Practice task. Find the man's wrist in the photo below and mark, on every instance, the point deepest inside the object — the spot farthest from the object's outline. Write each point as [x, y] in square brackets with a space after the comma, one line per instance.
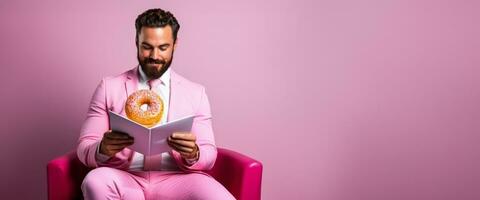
[99, 155]
[101, 150]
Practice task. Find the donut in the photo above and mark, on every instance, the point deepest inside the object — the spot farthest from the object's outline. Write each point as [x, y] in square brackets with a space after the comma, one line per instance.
[144, 107]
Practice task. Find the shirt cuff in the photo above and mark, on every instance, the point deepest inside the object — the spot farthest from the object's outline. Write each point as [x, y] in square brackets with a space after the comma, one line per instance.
[100, 157]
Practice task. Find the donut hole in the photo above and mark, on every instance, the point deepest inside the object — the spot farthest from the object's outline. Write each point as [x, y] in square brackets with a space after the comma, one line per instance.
[144, 107]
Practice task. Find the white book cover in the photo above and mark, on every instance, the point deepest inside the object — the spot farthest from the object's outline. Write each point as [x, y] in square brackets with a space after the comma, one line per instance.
[149, 141]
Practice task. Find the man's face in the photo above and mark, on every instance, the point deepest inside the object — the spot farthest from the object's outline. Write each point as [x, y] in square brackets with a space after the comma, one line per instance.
[155, 50]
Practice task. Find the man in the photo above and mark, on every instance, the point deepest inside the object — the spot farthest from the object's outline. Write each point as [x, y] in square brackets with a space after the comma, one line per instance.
[121, 173]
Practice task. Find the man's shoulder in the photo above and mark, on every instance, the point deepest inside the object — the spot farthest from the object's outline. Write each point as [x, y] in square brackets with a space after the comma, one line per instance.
[119, 78]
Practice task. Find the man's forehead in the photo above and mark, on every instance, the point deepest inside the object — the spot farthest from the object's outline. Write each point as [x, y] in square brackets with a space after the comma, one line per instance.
[156, 34]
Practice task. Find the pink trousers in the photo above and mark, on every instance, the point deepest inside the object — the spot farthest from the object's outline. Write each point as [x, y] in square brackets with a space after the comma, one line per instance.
[110, 183]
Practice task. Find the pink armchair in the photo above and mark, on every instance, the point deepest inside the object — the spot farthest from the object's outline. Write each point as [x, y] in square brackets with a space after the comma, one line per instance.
[241, 175]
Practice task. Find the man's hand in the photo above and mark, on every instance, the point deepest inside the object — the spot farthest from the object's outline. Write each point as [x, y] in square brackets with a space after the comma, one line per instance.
[113, 142]
[184, 143]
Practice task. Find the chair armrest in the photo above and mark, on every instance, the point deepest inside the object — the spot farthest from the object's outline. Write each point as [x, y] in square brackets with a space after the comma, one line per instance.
[64, 177]
[240, 174]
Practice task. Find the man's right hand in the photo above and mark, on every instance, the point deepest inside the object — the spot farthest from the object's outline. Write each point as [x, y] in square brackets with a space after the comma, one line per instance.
[113, 142]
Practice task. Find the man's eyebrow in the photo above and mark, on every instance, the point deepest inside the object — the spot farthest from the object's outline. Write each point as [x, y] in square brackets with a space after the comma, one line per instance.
[146, 43]
[161, 45]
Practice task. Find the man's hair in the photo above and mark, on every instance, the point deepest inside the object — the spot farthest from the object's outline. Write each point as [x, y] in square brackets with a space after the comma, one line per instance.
[156, 17]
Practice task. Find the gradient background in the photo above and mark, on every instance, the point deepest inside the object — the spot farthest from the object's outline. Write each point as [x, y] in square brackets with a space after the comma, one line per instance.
[340, 100]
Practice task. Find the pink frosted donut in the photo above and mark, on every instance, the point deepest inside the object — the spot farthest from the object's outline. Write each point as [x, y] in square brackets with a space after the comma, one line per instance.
[154, 107]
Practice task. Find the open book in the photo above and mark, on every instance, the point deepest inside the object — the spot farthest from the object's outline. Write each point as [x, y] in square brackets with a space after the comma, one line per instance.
[149, 141]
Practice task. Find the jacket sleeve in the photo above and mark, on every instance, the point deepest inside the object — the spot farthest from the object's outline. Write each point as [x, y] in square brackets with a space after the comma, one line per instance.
[202, 128]
[91, 133]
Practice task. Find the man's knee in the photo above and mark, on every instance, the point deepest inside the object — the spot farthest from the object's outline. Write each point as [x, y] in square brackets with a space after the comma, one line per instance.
[110, 183]
[206, 187]
[97, 178]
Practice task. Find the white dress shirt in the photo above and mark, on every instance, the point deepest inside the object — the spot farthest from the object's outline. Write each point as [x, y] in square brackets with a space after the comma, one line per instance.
[163, 90]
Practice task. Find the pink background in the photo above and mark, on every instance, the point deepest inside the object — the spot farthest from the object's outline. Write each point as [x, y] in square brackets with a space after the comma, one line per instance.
[357, 100]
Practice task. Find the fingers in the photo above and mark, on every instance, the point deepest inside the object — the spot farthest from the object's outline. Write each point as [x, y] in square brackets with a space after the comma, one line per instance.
[116, 147]
[188, 154]
[118, 142]
[184, 136]
[113, 149]
[188, 148]
[113, 142]
[114, 135]
[182, 149]
[184, 143]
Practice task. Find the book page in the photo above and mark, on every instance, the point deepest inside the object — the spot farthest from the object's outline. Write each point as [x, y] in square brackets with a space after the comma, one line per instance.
[140, 133]
[159, 134]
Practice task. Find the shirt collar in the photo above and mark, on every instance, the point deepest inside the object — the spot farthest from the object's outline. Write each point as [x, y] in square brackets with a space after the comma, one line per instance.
[165, 78]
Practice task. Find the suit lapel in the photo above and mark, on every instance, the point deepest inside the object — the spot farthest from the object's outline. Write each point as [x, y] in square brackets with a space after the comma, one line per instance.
[131, 83]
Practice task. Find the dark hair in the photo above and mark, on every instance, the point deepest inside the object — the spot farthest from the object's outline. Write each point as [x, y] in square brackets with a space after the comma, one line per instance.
[156, 17]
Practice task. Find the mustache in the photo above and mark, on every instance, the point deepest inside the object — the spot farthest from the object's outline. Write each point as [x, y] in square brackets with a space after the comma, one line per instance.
[154, 61]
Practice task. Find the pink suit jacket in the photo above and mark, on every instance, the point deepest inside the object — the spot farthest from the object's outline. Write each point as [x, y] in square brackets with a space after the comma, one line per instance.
[186, 98]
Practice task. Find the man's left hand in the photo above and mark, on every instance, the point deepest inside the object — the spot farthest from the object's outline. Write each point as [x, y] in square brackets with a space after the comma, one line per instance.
[184, 143]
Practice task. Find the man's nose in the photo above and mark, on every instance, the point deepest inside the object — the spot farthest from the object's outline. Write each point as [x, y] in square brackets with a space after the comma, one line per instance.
[155, 54]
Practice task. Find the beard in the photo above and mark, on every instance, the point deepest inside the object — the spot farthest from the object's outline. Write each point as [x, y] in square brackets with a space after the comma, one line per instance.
[154, 72]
